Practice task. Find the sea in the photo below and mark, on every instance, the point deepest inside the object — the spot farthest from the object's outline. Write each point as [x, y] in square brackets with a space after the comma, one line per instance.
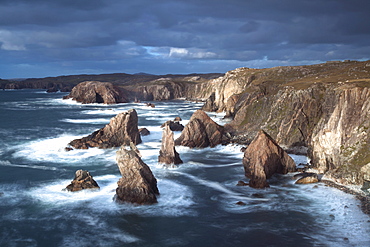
[199, 202]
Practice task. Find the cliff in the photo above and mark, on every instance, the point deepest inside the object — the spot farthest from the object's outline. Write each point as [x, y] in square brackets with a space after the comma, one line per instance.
[97, 92]
[320, 110]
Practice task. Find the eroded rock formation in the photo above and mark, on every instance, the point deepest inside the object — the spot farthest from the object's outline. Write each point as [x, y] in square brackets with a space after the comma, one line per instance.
[201, 131]
[83, 180]
[263, 158]
[168, 154]
[97, 92]
[121, 130]
[137, 184]
[174, 126]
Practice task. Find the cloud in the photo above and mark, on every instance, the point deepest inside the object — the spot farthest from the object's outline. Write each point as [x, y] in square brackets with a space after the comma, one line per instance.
[190, 53]
[142, 35]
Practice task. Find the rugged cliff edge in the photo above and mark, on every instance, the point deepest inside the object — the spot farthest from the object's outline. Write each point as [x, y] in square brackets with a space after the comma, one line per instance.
[320, 110]
[97, 92]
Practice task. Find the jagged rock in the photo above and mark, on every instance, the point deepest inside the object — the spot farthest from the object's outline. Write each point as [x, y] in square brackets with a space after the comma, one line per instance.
[97, 92]
[306, 178]
[144, 131]
[263, 158]
[121, 130]
[201, 131]
[168, 154]
[83, 180]
[137, 184]
[174, 126]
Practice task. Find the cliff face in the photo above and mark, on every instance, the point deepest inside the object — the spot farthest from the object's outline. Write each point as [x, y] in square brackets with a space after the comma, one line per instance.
[173, 87]
[322, 110]
[340, 143]
[97, 92]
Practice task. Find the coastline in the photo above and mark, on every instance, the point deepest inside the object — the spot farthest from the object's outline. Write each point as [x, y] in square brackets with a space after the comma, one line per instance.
[360, 195]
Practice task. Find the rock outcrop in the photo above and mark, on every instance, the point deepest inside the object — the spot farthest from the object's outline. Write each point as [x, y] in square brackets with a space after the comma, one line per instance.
[263, 158]
[144, 132]
[306, 178]
[201, 132]
[97, 92]
[83, 180]
[121, 130]
[137, 184]
[168, 154]
[174, 126]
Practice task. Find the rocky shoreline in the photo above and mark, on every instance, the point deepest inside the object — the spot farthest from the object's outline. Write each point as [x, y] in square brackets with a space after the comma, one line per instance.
[363, 198]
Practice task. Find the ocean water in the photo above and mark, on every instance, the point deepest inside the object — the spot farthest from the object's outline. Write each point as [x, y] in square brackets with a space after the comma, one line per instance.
[197, 202]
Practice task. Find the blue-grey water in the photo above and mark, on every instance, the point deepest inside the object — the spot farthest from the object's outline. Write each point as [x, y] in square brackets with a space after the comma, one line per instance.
[197, 205]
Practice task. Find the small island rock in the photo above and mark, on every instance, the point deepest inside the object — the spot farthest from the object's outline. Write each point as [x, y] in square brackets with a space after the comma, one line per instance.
[263, 158]
[82, 180]
[201, 132]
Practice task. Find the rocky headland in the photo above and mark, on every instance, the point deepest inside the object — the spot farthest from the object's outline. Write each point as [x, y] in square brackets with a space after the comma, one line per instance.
[321, 110]
[97, 92]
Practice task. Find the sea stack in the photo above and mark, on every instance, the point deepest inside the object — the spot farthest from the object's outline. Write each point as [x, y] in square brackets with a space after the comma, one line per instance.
[137, 184]
[121, 130]
[201, 132]
[263, 158]
[83, 180]
[168, 154]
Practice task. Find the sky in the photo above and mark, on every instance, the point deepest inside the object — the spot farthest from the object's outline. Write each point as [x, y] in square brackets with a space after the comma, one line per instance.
[40, 38]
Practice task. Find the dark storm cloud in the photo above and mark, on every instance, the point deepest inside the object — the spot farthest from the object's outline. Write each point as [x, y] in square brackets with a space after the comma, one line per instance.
[40, 37]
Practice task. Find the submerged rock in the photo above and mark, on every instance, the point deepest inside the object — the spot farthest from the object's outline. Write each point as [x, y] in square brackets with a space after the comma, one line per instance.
[263, 158]
[97, 92]
[201, 132]
[174, 126]
[168, 154]
[144, 132]
[137, 184]
[306, 178]
[121, 130]
[83, 180]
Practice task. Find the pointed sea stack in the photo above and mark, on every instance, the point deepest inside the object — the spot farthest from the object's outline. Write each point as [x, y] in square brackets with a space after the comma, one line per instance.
[263, 158]
[137, 184]
[121, 130]
[201, 132]
[83, 180]
[168, 154]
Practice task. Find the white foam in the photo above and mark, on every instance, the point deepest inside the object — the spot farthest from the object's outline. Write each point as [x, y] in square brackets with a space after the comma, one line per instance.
[7, 163]
[174, 199]
[88, 121]
[53, 150]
